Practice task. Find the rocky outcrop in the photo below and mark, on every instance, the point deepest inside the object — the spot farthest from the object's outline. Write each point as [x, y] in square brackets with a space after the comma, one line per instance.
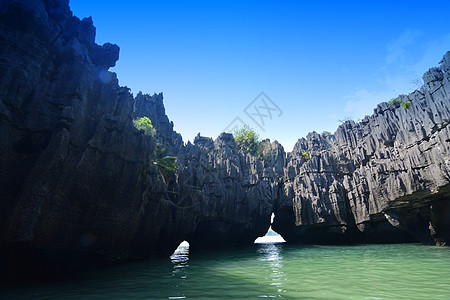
[231, 193]
[75, 173]
[77, 177]
[384, 179]
[219, 198]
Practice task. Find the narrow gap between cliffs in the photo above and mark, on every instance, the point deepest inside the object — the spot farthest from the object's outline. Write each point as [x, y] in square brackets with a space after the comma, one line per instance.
[181, 254]
[271, 235]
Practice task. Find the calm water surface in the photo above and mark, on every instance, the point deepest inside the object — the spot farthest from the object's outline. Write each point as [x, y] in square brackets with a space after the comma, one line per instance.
[407, 271]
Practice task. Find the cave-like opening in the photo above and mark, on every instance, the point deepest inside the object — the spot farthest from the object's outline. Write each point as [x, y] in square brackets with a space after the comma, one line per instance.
[271, 236]
[181, 252]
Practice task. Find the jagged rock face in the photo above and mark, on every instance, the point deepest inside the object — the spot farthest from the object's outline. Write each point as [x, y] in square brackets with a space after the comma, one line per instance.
[378, 180]
[230, 194]
[75, 174]
[153, 108]
[220, 197]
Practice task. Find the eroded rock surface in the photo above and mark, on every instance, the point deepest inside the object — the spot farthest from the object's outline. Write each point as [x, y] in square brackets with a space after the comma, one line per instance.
[231, 194]
[76, 176]
[379, 180]
[75, 173]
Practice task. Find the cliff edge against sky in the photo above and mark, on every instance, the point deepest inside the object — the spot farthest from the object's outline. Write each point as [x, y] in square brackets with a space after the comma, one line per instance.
[77, 177]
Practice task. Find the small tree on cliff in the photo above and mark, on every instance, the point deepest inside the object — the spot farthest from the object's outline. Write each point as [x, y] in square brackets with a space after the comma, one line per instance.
[145, 124]
[247, 140]
[166, 165]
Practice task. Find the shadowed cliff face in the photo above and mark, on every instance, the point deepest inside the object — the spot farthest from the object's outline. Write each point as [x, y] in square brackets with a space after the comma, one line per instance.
[75, 173]
[76, 176]
[231, 194]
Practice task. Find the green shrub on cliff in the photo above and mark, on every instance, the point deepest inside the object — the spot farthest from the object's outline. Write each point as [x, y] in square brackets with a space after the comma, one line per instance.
[306, 156]
[247, 140]
[406, 104]
[166, 165]
[145, 124]
[394, 101]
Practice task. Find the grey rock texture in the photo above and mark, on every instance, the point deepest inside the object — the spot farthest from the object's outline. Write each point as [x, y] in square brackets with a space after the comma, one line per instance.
[220, 197]
[380, 180]
[76, 176]
[231, 194]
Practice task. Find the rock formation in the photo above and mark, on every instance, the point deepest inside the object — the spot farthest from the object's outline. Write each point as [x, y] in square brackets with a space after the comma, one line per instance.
[75, 173]
[77, 177]
[384, 179]
[231, 193]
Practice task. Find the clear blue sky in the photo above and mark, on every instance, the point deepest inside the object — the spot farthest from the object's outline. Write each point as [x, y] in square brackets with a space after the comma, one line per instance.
[317, 61]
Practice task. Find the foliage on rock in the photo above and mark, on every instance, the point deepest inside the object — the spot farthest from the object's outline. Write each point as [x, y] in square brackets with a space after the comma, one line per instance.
[166, 165]
[406, 104]
[248, 140]
[306, 156]
[398, 101]
[394, 101]
[146, 125]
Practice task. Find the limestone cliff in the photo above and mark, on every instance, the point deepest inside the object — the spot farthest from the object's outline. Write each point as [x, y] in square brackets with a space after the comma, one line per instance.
[75, 173]
[384, 179]
[76, 176]
[231, 193]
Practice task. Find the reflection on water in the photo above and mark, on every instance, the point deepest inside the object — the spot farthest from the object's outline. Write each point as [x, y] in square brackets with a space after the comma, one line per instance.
[388, 272]
[270, 276]
[180, 259]
[181, 254]
[271, 256]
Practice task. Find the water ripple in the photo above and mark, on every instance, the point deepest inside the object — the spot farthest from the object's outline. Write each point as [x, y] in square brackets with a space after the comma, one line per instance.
[380, 272]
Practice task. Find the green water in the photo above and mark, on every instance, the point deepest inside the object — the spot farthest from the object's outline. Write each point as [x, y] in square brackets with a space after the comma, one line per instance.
[407, 271]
